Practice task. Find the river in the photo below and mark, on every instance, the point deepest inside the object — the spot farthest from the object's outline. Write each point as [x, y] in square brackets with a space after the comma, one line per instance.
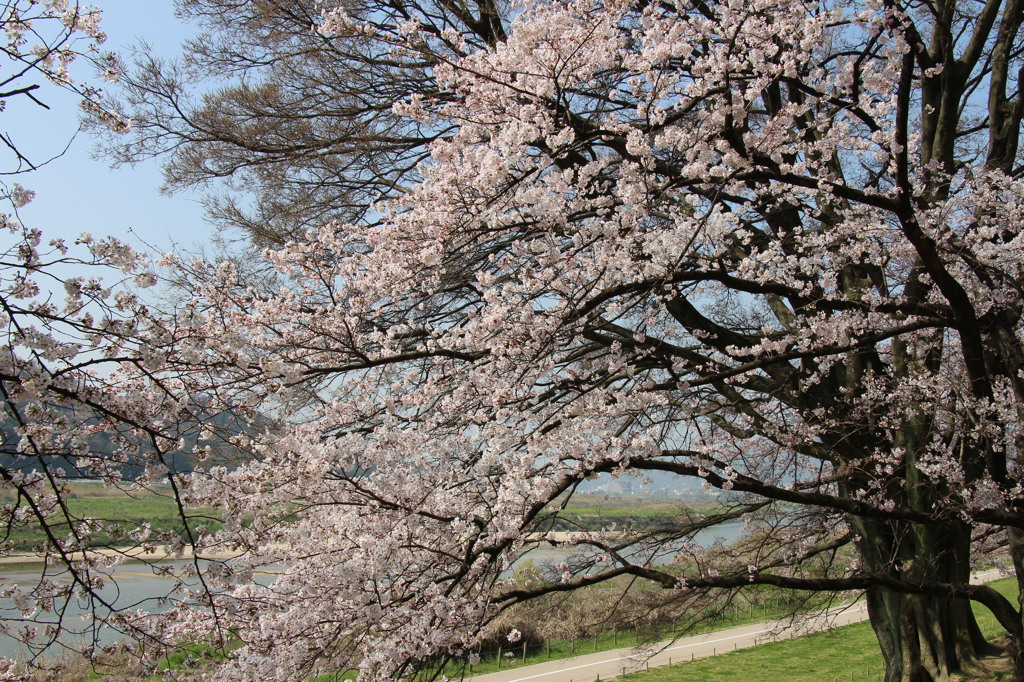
[135, 586]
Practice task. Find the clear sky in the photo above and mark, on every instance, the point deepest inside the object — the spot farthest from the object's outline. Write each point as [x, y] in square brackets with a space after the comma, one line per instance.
[77, 193]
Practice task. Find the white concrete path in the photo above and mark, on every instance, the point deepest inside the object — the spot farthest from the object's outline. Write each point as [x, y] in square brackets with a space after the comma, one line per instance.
[607, 664]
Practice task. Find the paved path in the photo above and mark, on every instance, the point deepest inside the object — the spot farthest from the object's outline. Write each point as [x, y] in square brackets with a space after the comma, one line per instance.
[606, 664]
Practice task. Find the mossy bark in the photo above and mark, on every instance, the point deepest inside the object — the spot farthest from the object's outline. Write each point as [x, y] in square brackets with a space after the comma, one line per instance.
[923, 638]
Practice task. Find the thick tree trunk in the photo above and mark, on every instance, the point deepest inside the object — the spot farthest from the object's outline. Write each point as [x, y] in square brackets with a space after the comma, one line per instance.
[923, 638]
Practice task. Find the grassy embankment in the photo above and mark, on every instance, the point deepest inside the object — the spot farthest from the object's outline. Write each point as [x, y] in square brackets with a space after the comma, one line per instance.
[847, 653]
[157, 507]
[114, 507]
[770, 604]
[597, 511]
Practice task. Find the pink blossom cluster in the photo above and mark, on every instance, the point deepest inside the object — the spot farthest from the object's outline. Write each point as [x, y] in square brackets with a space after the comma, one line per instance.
[661, 239]
[696, 240]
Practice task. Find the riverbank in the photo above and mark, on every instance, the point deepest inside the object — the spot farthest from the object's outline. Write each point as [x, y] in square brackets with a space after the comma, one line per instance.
[163, 553]
[151, 554]
[157, 509]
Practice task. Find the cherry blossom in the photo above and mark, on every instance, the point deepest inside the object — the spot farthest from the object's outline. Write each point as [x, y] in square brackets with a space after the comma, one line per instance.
[711, 241]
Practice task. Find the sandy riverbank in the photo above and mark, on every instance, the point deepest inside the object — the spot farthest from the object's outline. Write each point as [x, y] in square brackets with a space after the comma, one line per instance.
[156, 554]
[163, 553]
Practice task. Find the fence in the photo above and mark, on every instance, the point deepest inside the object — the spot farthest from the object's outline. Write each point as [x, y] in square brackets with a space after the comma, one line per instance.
[517, 654]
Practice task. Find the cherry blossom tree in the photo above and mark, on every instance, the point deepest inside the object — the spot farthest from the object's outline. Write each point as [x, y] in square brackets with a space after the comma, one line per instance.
[85, 389]
[93, 388]
[773, 247]
[69, 414]
[43, 39]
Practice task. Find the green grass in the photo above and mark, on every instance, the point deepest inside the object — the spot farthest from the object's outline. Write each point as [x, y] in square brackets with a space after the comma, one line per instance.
[595, 511]
[847, 653]
[157, 507]
[775, 605]
[115, 507]
[990, 627]
[611, 505]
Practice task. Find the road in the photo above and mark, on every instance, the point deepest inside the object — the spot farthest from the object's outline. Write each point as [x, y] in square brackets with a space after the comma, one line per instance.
[606, 664]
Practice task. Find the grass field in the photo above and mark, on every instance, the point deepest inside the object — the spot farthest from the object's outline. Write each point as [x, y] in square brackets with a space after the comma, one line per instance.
[95, 501]
[158, 508]
[769, 603]
[590, 511]
[591, 504]
[847, 653]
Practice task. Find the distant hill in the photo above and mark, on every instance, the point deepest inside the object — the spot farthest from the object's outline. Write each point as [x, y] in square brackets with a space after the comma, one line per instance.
[101, 446]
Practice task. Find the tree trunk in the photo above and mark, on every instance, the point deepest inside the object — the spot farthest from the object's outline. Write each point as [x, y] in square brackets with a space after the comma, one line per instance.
[923, 638]
[1016, 541]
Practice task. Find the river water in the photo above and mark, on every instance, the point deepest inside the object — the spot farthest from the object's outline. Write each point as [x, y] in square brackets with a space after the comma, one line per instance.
[135, 586]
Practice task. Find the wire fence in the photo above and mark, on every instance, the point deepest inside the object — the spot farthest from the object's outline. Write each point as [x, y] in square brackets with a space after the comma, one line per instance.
[517, 654]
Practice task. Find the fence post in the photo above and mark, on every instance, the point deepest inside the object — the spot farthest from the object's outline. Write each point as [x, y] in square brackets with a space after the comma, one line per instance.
[524, 652]
[499, 657]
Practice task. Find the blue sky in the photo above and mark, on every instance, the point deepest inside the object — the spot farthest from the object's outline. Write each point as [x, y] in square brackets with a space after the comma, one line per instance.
[77, 193]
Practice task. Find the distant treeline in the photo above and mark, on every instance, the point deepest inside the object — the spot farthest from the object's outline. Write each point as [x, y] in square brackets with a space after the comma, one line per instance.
[101, 446]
